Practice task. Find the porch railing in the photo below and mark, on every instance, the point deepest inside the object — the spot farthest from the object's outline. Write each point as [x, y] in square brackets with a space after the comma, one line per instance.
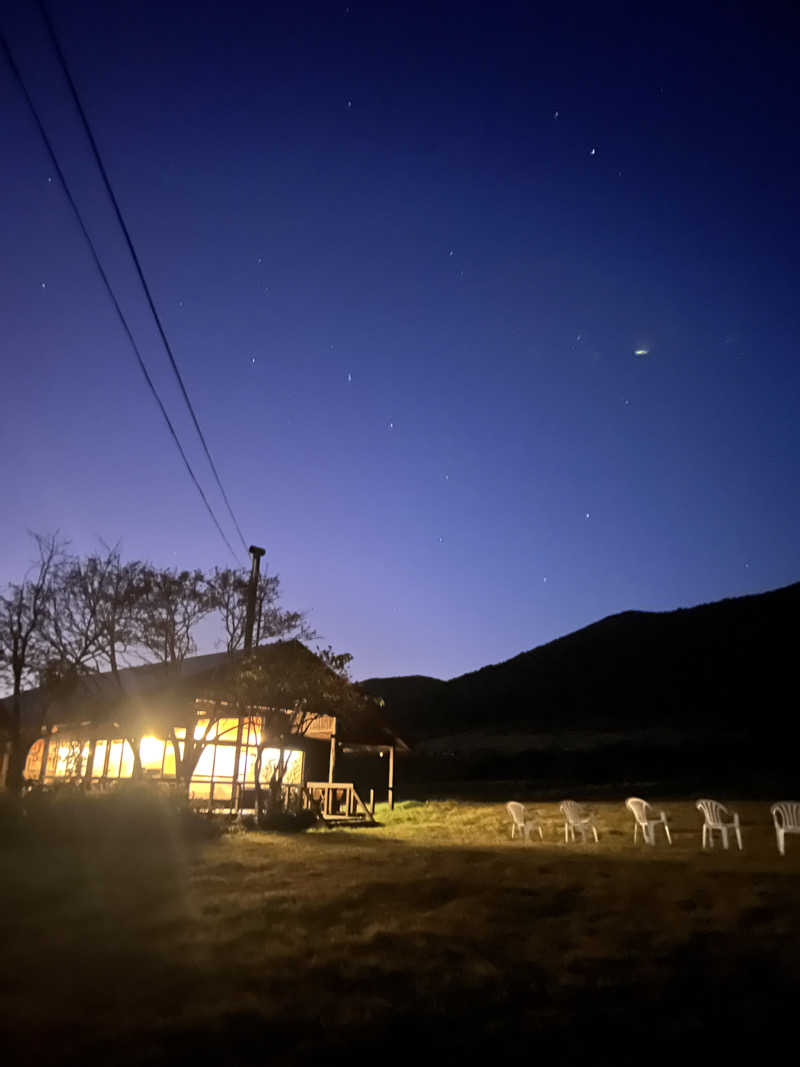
[334, 801]
[338, 800]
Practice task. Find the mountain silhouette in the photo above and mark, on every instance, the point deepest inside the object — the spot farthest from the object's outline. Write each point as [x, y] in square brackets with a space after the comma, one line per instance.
[730, 666]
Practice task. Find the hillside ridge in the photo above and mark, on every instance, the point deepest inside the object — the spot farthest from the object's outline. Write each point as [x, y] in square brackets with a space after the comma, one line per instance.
[713, 661]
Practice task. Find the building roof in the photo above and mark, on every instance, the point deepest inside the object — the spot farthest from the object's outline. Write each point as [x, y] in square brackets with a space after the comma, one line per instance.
[159, 694]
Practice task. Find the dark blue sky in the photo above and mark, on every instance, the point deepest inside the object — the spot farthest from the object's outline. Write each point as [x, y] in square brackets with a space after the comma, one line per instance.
[405, 259]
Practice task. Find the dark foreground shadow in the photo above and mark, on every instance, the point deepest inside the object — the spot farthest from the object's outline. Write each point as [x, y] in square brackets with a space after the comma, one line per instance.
[398, 953]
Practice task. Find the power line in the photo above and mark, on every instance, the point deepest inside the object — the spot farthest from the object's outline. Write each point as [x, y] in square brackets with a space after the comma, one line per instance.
[76, 210]
[107, 182]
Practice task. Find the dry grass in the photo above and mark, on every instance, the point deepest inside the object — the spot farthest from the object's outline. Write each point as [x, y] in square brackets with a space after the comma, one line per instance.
[431, 935]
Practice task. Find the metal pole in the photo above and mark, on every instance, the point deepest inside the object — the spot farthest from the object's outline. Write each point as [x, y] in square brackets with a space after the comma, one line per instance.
[252, 592]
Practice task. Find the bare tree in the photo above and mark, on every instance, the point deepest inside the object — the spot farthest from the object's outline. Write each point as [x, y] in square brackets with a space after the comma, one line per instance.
[23, 609]
[170, 606]
[123, 588]
[228, 591]
[71, 624]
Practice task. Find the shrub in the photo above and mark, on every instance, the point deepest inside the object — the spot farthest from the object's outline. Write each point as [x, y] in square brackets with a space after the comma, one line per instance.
[141, 813]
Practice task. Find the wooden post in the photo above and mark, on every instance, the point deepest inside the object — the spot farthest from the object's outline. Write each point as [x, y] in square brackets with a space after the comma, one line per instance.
[45, 754]
[391, 779]
[372, 801]
[332, 757]
[87, 778]
[237, 755]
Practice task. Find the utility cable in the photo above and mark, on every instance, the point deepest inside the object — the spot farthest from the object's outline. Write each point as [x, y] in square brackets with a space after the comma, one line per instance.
[107, 182]
[76, 210]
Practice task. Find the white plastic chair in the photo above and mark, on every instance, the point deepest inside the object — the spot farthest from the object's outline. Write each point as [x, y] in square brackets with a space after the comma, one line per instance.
[714, 814]
[521, 822]
[644, 821]
[576, 818]
[786, 816]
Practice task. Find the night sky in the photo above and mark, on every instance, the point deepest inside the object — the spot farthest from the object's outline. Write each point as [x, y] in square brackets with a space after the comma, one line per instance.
[406, 258]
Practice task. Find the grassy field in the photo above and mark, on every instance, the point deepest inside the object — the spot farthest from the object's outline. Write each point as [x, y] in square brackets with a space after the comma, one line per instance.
[432, 936]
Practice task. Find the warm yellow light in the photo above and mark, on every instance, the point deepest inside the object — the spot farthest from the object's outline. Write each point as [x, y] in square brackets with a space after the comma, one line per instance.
[151, 753]
[99, 759]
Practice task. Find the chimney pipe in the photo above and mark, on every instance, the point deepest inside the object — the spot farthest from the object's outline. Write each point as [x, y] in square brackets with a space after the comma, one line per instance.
[252, 591]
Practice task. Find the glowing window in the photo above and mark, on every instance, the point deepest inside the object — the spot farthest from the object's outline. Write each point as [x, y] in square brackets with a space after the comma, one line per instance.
[126, 766]
[204, 767]
[151, 753]
[71, 759]
[120, 760]
[114, 758]
[202, 729]
[293, 761]
[100, 749]
[224, 729]
[251, 734]
[224, 763]
[247, 766]
[52, 760]
[169, 760]
[33, 764]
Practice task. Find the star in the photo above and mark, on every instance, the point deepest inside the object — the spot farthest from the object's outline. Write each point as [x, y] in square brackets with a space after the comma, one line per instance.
[349, 104]
[349, 376]
[50, 181]
[641, 352]
[555, 114]
[390, 426]
[593, 152]
[44, 285]
[451, 252]
[587, 514]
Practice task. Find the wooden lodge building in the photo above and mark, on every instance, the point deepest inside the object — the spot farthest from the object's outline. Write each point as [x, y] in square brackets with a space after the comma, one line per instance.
[189, 723]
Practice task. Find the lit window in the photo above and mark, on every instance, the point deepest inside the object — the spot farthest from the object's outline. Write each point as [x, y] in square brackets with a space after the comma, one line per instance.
[224, 730]
[33, 764]
[126, 765]
[205, 765]
[169, 760]
[224, 763]
[114, 757]
[120, 760]
[99, 759]
[71, 759]
[251, 734]
[151, 753]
